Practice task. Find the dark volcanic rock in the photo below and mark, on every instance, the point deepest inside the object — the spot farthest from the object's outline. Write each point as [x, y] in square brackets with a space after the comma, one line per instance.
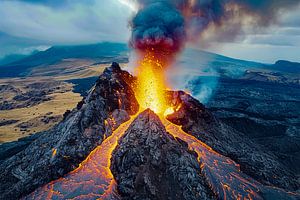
[253, 158]
[61, 149]
[149, 163]
[9, 88]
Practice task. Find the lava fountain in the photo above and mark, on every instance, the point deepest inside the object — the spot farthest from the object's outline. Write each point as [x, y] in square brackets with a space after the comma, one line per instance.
[151, 84]
[158, 35]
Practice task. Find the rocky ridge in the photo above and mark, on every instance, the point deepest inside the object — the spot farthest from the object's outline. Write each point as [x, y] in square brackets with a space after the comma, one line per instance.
[61, 149]
[253, 158]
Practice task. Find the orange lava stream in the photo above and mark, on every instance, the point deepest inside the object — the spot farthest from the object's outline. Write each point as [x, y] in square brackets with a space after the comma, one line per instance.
[223, 175]
[92, 179]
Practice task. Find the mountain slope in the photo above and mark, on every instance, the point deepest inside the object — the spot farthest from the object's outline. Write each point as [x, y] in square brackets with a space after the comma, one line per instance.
[11, 58]
[62, 148]
[246, 169]
[190, 59]
[118, 51]
[286, 66]
[58, 53]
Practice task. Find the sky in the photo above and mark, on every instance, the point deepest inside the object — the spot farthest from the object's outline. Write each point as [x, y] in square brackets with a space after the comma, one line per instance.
[28, 25]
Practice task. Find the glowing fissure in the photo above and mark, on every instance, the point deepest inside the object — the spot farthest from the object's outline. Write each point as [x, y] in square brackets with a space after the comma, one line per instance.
[92, 179]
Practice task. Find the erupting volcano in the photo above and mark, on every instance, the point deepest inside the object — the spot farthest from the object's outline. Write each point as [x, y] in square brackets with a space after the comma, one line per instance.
[141, 154]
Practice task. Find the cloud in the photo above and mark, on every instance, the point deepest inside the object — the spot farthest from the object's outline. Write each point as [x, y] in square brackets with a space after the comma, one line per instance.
[290, 19]
[75, 23]
[276, 39]
[30, 23]
[34, 23]
[53, 3]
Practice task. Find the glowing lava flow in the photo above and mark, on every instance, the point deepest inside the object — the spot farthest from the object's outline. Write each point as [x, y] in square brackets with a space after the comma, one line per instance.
[92, 179]
[223, 174]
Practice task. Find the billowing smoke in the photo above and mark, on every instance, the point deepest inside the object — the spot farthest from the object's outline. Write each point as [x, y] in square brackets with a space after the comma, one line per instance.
[167, 24]
[164, 26]
[158, 27]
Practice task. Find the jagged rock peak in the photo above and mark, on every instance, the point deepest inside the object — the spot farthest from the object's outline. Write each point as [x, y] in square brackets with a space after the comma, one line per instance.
[149, 163]
[148, 121]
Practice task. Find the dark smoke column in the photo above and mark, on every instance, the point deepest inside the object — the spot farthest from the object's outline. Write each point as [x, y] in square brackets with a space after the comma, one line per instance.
[166, 24]
[159, 28]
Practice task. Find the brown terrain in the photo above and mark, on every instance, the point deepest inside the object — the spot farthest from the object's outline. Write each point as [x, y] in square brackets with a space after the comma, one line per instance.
[38, 101]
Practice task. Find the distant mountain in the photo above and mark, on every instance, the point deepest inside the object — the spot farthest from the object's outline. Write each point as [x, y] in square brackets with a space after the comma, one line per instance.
[191, 59]
[58, 53]
[11, 58]
[286, 66]
[97, 53]
[199, 60]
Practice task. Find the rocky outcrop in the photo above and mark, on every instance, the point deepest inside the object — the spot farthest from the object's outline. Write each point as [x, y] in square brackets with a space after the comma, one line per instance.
[149, 163]
[61, 149]
[254, 159]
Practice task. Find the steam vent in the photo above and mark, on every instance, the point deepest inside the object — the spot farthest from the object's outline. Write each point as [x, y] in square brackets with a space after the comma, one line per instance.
[114, 146]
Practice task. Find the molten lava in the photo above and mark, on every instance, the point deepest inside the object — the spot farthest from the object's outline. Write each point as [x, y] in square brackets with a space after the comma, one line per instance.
[94, 180]
[151, 84]
[223, 174]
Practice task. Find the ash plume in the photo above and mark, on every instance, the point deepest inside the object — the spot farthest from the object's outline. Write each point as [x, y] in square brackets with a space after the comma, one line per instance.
[164, 26]
[167, 24]
[158, 26]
